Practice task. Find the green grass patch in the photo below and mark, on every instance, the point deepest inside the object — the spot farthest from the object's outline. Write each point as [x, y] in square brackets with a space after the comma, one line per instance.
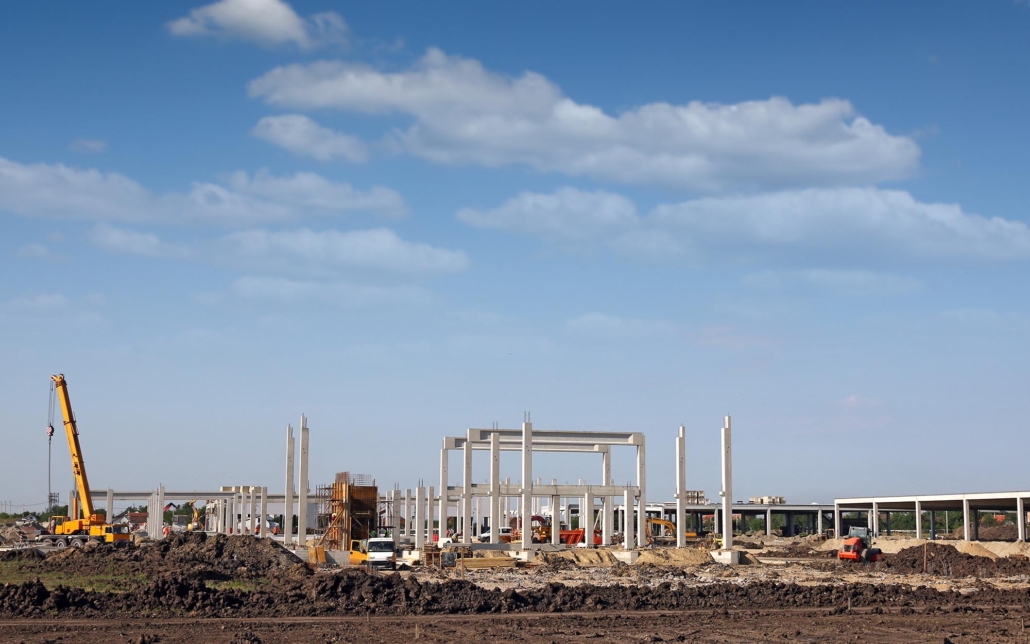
[247, 586]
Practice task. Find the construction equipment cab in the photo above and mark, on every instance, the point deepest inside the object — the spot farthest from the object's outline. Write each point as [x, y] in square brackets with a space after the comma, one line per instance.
[84, 524]
[856, 547]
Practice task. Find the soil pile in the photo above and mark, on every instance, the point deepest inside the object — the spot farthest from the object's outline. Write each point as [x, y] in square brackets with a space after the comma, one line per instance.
[194, 555]
[675, 557]
[797, 551]
[946, 561]
[359, 593]
[1007, 532]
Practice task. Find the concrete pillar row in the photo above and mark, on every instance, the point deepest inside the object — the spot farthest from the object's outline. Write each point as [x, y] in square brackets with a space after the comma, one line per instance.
[302, 482]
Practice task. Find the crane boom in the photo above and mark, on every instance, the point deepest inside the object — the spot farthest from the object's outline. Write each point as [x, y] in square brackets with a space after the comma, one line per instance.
[78, 466]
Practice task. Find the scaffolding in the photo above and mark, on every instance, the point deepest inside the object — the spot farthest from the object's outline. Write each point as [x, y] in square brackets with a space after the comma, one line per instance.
[348, 510]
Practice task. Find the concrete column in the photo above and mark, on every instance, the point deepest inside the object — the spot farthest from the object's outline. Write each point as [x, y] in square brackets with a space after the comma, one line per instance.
[966, 527]
[586, 518]
[933, 525]
[608, 507]
[302, 498]
[555, 520]
[627, 521]
[768, 521]
[444, 498]
[407, 513]
[253, 511]
[264, 512]
[876, 519]
[642, 501]
[819, 522]
[430, 515]
[919, 519]
[420, 500]
[527, 484]
[836, 521]
[727, 486]
[976, 525]
[1020, 519]
[681, 488]
[288, 503]
[110, 505]
[160, 513]
[466, 496]
[888, 513]
[495, 487]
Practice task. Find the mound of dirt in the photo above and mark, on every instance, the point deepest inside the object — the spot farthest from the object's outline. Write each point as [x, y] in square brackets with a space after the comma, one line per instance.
[748, 545]
[797, 551]
[946, 560]
[193, 555]
[674, 557]
[358, 593]
[1007, 532]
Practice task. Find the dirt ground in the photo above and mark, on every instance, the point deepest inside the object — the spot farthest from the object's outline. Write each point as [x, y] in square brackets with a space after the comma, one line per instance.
[199, 588]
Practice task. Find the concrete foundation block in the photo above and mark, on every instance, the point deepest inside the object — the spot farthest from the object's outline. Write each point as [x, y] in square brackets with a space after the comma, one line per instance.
[726, 557]
[626, 556]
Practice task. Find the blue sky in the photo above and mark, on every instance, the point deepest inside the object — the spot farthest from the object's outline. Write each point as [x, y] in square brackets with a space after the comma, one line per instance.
[407, 220]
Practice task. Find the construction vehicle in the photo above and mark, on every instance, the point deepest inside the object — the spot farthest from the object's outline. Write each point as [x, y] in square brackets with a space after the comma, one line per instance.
[856, 547]
[83, 524]
[196, 524]
[667, 534]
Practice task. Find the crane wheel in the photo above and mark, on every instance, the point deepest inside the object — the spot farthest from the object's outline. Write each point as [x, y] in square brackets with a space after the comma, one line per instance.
[76, 543]
[61, 543]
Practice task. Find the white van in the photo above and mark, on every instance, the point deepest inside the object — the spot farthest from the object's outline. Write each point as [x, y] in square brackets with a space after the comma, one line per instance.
[381, 553]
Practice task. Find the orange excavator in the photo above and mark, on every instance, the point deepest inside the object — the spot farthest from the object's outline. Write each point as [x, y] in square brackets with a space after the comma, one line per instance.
[856, 547]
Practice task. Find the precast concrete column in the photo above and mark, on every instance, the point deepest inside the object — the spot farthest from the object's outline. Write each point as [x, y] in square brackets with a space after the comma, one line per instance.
[965, 520]
[420, 499]
[288, 501]
[876, 519]
[608, 507]
[768, 521]
[264, 511]
[555, 520]
[407, 513]
[819, 522]
[642, 484]
[160, 512]
[836, 521]
[444, 498]
[919, 519]
[110, 505]
[681, 488]
[466, 496]
[302, 498]
[933, 525]
[527, 484]
[586, 518]
[727, 486]
[1020, 520]
[627, 521]
[495, 487]
[429, 515]
[254, 504]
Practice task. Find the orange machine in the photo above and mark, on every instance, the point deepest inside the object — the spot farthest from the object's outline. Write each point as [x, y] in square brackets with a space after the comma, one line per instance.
[856, 548]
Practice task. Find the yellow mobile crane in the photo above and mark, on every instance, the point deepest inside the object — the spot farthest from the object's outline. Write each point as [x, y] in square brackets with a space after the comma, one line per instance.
[76, 530]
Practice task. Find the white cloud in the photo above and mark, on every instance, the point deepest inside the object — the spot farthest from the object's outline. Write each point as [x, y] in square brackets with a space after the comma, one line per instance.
[35, 250]
[56, 191]
[128, 242]
[464, 113]
[88, 145]
[568, 215]
[842, 281]
[613, 326]
[314, 193]
[845, 221]
[334, 251]
[265, 22]
[275, 289]
[304, 137]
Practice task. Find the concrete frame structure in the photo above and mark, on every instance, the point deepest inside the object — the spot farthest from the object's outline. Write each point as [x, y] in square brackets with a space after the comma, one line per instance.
[969, 504]
[526, 441]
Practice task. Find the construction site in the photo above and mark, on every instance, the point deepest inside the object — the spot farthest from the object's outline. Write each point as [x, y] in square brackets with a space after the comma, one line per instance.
[529, 559]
